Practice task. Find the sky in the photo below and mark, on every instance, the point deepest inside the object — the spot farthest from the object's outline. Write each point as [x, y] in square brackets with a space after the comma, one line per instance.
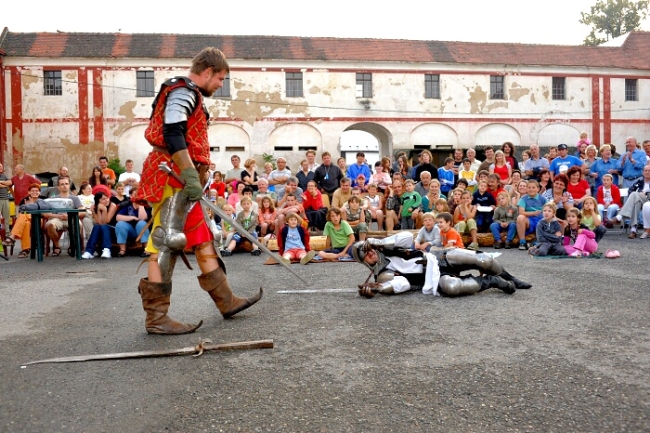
[554, 22]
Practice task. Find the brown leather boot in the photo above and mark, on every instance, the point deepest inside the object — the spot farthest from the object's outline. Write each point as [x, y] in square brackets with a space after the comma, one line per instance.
[155, 301]
[216, 284]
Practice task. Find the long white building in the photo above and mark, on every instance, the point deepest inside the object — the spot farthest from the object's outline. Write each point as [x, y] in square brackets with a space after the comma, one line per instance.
[67, 98]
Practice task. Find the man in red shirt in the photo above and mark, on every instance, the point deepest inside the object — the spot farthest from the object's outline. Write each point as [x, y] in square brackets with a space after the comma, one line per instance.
[494, 185]
[21, 182]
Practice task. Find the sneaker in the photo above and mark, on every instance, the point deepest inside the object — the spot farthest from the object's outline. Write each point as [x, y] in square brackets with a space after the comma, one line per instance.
[473, 246]
[106, 253]
[256, 252]
[576, 254]
[226, 253]
[498, 245]
[346, 259]
[318, 258]
[86, 255]
[285, 260]
[644, 235]
[522, 246]
[507, 246]
[585, 254]
[632, 235]
[308, 258]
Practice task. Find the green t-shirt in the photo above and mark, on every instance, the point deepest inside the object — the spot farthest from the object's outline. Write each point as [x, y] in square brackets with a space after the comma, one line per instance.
[338, 238]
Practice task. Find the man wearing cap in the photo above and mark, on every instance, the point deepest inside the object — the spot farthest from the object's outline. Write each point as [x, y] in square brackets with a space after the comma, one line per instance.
[564, 161]
[279, 177]
[397, 269]
[631, 163]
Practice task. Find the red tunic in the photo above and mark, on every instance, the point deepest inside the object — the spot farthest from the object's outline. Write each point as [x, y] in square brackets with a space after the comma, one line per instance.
[196, 138]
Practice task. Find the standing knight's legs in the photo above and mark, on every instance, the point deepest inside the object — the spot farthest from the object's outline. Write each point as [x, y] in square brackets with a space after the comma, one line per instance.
[166, 240]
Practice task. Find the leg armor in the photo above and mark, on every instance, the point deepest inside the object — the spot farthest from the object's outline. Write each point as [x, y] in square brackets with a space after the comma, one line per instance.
[169, 237]
[456, 286]
[461, 260]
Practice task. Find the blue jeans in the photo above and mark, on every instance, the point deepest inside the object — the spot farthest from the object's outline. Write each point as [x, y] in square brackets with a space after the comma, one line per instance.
[124, 230]
[496, 230]
[101, 233]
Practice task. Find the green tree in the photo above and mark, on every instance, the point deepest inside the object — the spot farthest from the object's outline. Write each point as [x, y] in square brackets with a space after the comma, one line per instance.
[612, 18]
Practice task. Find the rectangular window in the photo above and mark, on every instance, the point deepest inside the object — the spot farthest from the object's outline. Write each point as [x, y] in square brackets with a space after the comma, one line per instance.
[52, 82]
[559, 84]
[144, 84]
[432, 86]
[364, 85]
[496, 87]
[294, 84]
[630, 90]
[224, 91]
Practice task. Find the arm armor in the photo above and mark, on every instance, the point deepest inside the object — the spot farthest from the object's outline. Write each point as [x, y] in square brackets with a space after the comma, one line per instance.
[180, 104]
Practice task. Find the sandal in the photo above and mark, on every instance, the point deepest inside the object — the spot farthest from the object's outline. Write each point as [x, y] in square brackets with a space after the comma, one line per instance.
[9, 242]
[121, 254]
[56, 252]
[24, 254]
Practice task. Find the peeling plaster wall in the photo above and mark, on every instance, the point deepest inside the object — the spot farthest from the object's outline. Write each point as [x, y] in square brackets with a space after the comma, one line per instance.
[37, 106]
[622, 109]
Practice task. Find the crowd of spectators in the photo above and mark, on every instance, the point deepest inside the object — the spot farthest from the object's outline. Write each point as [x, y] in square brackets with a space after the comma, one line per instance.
[503, 196]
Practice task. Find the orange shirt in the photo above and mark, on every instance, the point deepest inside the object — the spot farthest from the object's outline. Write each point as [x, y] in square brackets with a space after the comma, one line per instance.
[451, 235]
[109, 172]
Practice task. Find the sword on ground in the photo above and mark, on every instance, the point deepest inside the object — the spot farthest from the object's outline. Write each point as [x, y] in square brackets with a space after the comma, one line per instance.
[241, 230]
[195, 351]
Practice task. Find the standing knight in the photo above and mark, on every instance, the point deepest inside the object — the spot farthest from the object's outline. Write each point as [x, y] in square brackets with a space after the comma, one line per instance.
[178, 132]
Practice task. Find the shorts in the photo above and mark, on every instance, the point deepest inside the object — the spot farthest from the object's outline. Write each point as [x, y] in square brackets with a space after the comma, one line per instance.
[59, 224]
[533, 220]
[339, 250]
[294, 253]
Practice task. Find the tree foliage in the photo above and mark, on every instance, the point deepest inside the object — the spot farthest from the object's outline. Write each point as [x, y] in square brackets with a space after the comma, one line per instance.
[612, 18]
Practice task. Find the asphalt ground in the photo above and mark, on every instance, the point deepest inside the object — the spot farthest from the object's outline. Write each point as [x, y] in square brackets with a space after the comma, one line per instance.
[571, 354]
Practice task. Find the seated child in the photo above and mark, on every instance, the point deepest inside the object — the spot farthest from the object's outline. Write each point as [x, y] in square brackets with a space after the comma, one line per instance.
[429, 234]
[463, 185]
[583, 239]
[227, 229]
[468, 174]
[530, 212]
[591, 218]
[375, 205]
[448, 236]
[440, 206]
[293, 243]
[247, 192]
[340, 238]
[505, 220]
[482, 197]
[411, 200]
[218, 184]
[609, 200]
[247, 219]
[267, 216]
[549, 234]
[356, 217]
[464, 219]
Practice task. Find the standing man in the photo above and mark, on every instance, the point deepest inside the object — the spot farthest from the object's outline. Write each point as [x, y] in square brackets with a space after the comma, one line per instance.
[129, 178]
[354, 170]
[5, 183]
[109, 174]
[233, 174]
[327, 176]
[57, 222]
[178, 132]
[312, 165]
[475, 163]
[63, 172]
[563, 162]
[21, 181]
[279, 177]
[535, 164]
[458, 163]
[631, 163]
[489, 159]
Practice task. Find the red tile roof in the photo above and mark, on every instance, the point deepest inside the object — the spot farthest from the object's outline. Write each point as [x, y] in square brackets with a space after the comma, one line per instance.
[631, 55]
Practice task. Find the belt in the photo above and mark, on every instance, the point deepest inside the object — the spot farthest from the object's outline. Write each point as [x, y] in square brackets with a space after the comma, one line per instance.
[632, 178]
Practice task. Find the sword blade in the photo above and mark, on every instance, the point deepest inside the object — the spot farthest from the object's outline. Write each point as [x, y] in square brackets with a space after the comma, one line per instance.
[346, 290]
[202, 347]
[242, 231]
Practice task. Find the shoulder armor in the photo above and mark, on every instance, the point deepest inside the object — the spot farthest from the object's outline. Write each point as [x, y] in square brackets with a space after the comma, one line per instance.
[181, 103]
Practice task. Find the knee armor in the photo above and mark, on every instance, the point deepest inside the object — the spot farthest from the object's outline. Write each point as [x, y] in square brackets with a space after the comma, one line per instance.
[465, 259]
[455, 286]
[169, 237]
